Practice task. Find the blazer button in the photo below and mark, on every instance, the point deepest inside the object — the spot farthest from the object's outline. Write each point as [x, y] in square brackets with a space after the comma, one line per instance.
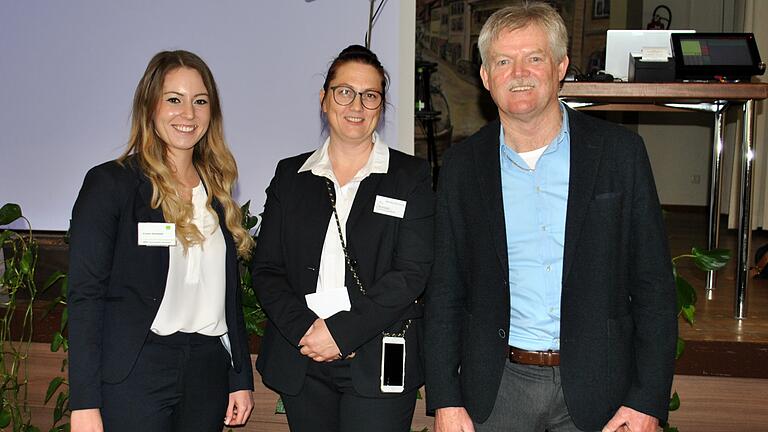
[502, 333]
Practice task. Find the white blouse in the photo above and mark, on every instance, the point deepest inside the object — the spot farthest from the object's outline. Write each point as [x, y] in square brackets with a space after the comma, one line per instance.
[196, 284]
[332, 264]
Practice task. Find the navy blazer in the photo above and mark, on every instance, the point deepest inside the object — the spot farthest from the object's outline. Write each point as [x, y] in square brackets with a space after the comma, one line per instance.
[618, 323]
[116, 286]
[393, 257]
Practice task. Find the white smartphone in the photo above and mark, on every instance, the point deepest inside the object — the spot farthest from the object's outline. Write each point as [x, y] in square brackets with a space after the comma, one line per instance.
[392, 364]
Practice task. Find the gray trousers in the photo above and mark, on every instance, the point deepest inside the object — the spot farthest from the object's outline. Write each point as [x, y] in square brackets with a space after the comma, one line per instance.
[530, 399]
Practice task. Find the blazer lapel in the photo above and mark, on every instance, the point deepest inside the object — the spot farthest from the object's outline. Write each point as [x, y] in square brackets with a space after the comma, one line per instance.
[229, 241]
[143, 208]
[230, 262]
[314, 212]
[586, 148]
[488, 170]
[143, 212]
[364, 195]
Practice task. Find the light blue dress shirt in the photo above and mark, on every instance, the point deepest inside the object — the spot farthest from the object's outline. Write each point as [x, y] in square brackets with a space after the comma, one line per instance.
[535, 203]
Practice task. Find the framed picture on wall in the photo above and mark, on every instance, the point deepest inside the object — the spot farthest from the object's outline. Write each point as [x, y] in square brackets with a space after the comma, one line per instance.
[601, 9]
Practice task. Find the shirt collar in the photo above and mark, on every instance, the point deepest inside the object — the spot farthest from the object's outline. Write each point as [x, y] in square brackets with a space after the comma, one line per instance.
[319, 163]
[562, 137]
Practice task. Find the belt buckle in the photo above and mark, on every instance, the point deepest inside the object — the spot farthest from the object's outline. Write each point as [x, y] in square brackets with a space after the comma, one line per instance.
[545, 358]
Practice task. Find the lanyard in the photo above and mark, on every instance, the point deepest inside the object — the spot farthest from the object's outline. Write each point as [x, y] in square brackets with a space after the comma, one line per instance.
[349, 262]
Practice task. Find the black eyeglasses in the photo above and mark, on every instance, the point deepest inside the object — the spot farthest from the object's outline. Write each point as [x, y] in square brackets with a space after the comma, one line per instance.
[345, 95]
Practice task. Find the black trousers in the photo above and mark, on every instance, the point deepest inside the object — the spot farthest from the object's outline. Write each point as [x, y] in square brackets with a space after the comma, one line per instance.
[329, 403]
[180, 383]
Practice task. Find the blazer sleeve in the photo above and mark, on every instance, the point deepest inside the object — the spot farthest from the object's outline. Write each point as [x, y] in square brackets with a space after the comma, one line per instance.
[242, 380]
[287, 311]
[93, 231]
[653, 293]
[444, 305]
[389, 297]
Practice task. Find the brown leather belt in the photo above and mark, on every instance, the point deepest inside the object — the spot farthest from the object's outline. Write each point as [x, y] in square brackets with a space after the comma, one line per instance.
[535, 358]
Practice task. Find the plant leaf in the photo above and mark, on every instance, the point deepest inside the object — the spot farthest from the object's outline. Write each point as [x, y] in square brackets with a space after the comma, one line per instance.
[64, 319]
[27, 261]
[279, 407]
[58, 412]
[5, 417]
[246, 282]
[689, 313]
[64, 285]
[680, 348]
[52, 387]
[4, 236]
[712, 259]
[9, 213]
[674, 402]
[686, 295]
[58, 339]
[253, 319]
[246, 212]
[52, 279]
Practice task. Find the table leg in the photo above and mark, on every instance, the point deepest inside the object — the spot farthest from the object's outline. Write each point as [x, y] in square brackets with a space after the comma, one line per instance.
[745, 210]
[715, 191]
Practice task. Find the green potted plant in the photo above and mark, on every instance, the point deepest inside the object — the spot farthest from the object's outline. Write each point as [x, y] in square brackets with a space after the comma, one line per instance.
[254, 315]
[706, 260]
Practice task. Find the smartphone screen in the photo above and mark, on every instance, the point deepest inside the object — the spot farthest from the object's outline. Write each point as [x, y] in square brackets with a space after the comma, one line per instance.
[393, 364]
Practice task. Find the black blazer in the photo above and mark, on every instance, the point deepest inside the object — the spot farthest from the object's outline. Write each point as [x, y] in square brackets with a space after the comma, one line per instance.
[116, 286]
[393, 257]
[618, 321]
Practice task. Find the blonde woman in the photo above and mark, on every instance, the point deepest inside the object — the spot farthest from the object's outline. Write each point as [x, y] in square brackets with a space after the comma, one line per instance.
[157, 337]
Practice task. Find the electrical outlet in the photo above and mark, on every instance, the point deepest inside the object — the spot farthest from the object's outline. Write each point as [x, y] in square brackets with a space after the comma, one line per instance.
[695, 179]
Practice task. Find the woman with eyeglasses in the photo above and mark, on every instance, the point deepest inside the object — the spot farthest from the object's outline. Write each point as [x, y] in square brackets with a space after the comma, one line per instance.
[344, 253]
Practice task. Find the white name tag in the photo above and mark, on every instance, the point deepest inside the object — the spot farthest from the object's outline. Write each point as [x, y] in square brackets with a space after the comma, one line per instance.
[157, 234]
[389, 206]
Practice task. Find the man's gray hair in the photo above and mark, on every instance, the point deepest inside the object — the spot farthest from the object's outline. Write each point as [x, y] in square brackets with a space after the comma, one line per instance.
[516, 17]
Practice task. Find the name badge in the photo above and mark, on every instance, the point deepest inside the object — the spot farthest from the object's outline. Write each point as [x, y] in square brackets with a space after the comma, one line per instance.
[157, 234]
[389, 206]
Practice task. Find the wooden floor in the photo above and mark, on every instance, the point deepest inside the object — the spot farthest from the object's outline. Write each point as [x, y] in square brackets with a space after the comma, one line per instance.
[715, 322]
[709, 404]
[722, 378]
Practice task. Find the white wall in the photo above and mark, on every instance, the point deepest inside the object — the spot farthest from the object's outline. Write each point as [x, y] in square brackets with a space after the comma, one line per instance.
[68, 70]
[679, 145]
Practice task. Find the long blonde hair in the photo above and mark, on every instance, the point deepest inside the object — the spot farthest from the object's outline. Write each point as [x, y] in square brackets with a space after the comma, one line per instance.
[211, 156]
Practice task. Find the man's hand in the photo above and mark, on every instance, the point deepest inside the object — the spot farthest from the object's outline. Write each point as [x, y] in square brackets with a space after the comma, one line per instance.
[86, 420]
[627, 419]
[453, 419]
[239, 408]
[318, 344]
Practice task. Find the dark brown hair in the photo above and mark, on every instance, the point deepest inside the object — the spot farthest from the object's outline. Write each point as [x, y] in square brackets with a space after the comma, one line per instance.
[358, 54]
